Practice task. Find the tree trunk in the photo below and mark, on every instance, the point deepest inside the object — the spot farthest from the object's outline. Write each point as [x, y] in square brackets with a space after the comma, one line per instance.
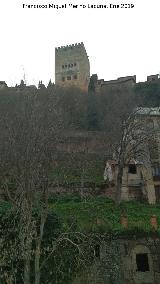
[37, 263]
[27, 271]
[27, 245]
[119, 185]
[82, 183]
[38, 249]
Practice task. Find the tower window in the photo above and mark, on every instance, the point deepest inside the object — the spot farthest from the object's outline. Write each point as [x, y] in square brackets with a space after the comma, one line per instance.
[75, 77]
[132, 169]
[68, 77]
[142, 262]
[63, 79]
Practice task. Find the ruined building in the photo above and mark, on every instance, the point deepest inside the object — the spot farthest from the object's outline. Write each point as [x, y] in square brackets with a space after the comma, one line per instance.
[141, 179]
[72, 66]
[137, 182]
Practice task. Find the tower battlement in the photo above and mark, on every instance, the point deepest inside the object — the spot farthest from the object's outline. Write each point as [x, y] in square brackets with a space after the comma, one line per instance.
[70, 46]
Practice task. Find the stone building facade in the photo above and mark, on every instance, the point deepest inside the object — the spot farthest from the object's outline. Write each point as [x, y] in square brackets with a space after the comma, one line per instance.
[72, 67]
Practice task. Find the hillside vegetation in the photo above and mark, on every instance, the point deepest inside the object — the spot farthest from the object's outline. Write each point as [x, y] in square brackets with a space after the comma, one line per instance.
[99, 215]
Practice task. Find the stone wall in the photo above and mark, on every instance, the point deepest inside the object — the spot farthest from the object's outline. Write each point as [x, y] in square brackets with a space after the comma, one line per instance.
[100, 85]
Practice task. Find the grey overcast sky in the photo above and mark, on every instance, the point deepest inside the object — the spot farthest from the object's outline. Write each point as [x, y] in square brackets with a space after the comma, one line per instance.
[119, 41]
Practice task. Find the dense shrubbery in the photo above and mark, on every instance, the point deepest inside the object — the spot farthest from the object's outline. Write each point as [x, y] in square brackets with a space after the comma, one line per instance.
[59, 257]
[84, 212]
[88, 211]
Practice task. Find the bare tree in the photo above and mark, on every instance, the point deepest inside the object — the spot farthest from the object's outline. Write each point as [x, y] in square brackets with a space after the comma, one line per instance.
[29, 125]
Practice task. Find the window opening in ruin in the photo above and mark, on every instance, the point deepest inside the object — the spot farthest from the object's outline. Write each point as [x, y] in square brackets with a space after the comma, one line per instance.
[71, 65]
[75, 64]
[75, 77]
[68, 77]
[142, 262]
[132, 169]
[97, 250]
[62, 66]
[63, 79]
[66, 66]
[157, 193]
[156, 170]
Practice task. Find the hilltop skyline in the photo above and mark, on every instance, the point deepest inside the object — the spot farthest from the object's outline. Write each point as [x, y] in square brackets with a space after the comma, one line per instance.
[118, 42]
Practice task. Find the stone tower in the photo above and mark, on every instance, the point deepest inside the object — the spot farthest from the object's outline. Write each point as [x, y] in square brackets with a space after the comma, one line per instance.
[72, 66]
